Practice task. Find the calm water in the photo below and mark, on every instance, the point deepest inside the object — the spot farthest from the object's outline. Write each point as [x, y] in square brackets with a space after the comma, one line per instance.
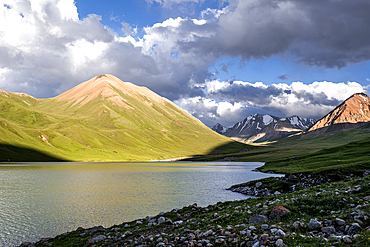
[46, 199]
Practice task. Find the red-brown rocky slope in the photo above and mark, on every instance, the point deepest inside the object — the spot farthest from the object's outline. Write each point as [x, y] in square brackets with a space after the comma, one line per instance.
[356, 109]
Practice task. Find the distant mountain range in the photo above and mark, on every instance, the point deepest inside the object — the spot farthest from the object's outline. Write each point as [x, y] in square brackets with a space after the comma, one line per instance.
[261, 128]
[354, 112]
[102, 119]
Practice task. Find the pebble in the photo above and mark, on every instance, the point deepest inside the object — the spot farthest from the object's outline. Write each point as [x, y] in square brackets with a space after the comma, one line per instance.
[161, 220]
[264, 226]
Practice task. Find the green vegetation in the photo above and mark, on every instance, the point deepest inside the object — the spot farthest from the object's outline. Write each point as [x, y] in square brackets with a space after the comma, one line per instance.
[101, 130]
[344, 151]
[353, 157]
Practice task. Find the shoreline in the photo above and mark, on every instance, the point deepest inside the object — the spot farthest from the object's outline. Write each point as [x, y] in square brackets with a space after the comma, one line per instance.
[325, 214]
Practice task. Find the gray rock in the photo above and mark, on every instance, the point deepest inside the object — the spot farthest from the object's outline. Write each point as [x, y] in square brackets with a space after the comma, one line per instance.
[161, 220]
[347, 240]
[256, 244]
[327, 222]
[276, 193]
[354, 228]
[297, 225]
[191, 236]
[257, 219]
[179, 222]
[263, 239]
[264, 227]
[280, 243]
[258, 184]
[340, 222]
[280, 232]
[328, 229]
[96, 239]
[314, 224]
[243, 232]
[94, 229]
[208, 233]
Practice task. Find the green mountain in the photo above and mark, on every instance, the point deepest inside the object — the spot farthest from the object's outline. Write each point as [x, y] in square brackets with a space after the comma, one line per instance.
[103, 119]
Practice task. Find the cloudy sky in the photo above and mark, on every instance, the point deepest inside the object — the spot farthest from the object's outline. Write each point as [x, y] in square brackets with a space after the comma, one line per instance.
[221, 60]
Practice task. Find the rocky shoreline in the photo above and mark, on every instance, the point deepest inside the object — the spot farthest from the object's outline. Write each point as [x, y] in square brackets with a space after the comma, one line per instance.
[286, 184]
[309, 210]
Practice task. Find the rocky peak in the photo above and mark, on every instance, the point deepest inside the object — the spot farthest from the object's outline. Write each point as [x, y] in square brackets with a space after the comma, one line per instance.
[219, 128]
[355, 109]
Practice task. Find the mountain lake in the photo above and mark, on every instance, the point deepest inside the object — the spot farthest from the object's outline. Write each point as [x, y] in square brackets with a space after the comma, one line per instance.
[47, 199]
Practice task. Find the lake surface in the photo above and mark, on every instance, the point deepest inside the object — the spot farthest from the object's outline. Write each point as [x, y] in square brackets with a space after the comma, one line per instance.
[46, 199]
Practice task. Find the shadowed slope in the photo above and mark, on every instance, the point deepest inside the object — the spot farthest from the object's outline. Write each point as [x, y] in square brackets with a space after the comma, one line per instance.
[10, 153]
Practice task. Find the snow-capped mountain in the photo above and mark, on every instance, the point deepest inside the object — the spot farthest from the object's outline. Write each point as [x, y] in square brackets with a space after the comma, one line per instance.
[301, 123]
[264, 125]
[219, 128]
[250, 126]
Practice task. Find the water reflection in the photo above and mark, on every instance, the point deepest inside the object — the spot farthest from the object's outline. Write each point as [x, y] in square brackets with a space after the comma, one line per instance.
[40, 200]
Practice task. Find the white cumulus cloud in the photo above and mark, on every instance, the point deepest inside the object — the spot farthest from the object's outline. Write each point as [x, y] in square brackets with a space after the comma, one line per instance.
[306, 100]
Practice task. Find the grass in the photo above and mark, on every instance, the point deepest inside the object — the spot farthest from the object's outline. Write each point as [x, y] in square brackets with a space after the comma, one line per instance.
[345, 151]
[349, 158]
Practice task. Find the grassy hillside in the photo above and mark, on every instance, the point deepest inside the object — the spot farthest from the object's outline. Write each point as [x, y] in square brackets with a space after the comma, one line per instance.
[345, 150]
[353, 157]
[101, 130]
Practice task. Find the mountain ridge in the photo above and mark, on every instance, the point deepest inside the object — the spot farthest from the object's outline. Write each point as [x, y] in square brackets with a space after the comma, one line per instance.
[354, 109]
[258, 127]
[104, 119]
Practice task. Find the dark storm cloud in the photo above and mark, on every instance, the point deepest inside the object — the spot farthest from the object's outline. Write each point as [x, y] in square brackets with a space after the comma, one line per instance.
[247, 93]
[317, 98]
[259, 96]
[325, 33]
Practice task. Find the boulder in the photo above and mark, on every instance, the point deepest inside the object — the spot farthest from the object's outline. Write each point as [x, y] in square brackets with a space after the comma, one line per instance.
[257, 219]
[279, 212]
[354, 228]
